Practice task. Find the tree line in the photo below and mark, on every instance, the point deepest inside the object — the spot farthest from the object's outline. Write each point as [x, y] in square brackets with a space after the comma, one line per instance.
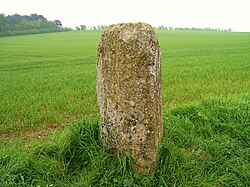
[90, 27]
[23, 24]
[161, 27]
[31, 24]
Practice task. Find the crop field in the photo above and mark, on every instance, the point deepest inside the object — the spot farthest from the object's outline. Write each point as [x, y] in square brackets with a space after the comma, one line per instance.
[49, 115]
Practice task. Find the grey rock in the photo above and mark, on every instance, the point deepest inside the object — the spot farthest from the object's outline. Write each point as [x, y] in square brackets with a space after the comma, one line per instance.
[129, 92]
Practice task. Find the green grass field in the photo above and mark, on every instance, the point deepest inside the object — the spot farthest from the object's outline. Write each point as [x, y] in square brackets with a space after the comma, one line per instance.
[49, 115]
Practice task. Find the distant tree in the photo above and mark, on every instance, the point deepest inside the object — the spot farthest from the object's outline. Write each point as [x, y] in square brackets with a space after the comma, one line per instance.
[4, 25]
[101, 27]
[83, 27]
[78, 28]
[160, 27]
[58, 23]
[35, 17]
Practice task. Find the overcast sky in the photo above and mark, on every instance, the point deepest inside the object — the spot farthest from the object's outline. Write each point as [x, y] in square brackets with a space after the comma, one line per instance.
[224, 14]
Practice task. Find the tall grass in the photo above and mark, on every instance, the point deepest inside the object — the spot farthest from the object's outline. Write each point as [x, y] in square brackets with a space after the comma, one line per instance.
[205, 144]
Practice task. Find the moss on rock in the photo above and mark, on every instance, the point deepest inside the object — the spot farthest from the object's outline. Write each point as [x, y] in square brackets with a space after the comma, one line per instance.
[129, 92]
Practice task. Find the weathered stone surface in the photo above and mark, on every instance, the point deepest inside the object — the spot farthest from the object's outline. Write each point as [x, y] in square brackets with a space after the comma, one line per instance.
[129, 92]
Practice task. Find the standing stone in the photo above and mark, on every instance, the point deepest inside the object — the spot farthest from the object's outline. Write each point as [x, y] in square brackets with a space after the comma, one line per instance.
[129, 92]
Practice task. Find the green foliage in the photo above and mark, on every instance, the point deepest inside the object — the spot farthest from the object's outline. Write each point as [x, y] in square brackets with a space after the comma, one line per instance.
[204, 145]
[162, 27]
[43, 83]
[20, 25]
[212, 140]
[83, 27]
[50, 80]
[16, 168]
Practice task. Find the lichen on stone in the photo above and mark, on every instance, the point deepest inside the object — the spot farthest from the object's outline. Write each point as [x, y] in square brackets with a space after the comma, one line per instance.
[129, 92]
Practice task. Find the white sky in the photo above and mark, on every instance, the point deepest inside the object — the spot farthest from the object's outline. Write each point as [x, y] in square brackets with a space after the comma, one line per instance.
[224, 14]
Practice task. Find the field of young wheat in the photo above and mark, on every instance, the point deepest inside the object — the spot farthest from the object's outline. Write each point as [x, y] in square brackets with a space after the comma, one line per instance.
[49, 115]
